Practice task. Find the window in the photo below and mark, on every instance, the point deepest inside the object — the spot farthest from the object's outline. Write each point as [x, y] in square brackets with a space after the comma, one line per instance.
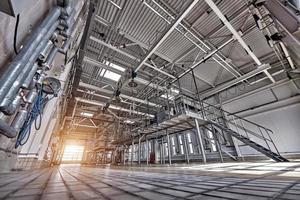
[73, 153]
[181, 144]
[109, 74]
[190, 143]
[213, 142]
[166, 149]
[173, 146]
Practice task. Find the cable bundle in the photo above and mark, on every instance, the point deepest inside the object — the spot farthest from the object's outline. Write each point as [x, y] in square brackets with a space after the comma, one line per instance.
[35, 116]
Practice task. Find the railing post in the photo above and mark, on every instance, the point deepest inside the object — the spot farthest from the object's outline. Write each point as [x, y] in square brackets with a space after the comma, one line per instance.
[262, 134]
[244, 128]
[272, 141]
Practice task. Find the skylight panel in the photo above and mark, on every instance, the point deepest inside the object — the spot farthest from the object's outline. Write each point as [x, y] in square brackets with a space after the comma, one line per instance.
[117, 67]
[112, 76]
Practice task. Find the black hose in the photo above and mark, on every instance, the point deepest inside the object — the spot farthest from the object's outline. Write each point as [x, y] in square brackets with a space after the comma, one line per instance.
[16, 34]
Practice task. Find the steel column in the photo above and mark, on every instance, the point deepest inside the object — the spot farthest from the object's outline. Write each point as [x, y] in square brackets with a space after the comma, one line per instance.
[200, 141]
[169, 148]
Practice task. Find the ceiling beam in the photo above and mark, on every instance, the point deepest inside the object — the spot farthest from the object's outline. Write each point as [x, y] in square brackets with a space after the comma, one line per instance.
[95, 88]
[226, 85]
[129, 56]
[166, 34]
[114, 107]
[219, 13]
[142, 45]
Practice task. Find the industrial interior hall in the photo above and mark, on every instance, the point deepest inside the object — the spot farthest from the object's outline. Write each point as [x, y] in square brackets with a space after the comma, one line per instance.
[150, 99]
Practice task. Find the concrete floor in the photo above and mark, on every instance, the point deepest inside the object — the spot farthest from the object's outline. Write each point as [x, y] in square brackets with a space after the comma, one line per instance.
[262, 180]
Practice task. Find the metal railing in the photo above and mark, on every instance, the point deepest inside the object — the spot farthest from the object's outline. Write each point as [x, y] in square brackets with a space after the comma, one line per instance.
[243, 127]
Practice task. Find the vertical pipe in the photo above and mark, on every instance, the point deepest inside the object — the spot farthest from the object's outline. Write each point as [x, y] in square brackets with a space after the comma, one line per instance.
[200, 141]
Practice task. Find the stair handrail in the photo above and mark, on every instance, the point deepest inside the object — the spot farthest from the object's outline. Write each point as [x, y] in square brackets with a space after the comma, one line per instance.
[208, 112]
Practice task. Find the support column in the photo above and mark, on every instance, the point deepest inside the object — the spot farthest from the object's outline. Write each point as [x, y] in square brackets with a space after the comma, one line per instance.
[163, 151]
[200, 141]
[139, 152]
[147, 152]
[186, 151]
[169, 148]
[160, 153]
[132, 152]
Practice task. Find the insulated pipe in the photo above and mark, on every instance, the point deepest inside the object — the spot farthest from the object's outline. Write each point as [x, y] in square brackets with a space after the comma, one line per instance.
[11, 109]
[11, 93]
[65, 46]
[50, 58]
[6, 130]
[30, 76]
[19, 120]
[18, 63]
[45, 51]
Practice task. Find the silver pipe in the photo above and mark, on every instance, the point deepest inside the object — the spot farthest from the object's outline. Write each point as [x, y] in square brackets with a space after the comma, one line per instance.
[50, 58]
[6, 130]
[30, 76]
[17, 65]
[13, 90]
[19, 120]
[65, 47]
[45, 51]
[30, 97]
[11, 109]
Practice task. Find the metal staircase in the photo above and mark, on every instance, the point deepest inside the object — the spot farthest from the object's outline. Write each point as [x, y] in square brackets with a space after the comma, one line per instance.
[247, 132]
[266, 151]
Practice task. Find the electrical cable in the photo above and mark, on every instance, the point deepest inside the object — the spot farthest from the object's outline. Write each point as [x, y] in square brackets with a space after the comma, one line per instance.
[16, 34]
[34, 116]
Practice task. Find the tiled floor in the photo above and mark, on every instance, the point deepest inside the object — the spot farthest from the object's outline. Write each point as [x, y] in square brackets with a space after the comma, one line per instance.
[213, 181]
